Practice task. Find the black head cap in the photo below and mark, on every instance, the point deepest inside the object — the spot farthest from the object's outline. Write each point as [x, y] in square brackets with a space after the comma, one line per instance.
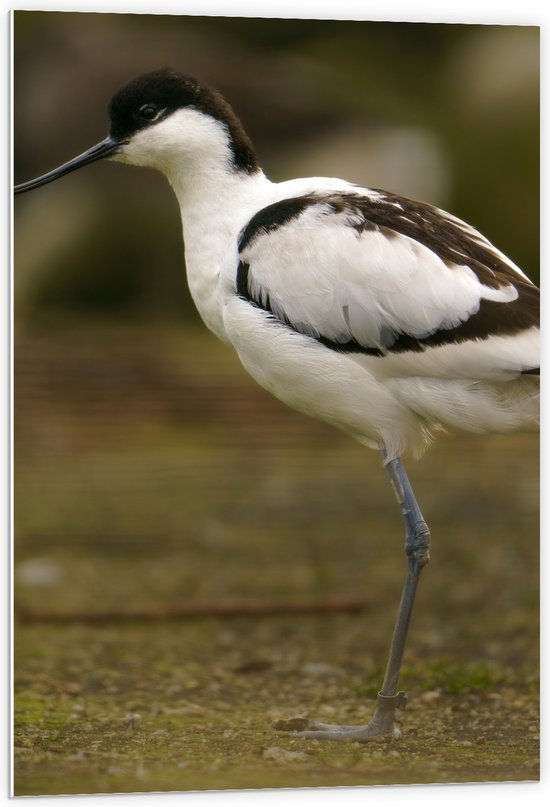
[151, 97]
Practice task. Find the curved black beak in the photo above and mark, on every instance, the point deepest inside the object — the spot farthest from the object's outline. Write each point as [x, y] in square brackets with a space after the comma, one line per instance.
[97, 152]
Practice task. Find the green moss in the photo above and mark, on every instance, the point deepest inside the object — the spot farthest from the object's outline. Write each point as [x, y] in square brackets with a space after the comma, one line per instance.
[455, 679]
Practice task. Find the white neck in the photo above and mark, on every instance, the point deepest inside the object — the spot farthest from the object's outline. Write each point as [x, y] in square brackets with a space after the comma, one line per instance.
[215, 198]
[215, 206]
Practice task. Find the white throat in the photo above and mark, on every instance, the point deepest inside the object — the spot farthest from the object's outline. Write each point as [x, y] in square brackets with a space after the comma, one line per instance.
[216, 199]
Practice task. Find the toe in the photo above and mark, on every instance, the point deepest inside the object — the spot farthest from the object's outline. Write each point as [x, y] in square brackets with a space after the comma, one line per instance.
[292, 724]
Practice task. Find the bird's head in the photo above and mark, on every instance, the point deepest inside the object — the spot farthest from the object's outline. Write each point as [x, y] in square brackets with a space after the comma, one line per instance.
[161, 119]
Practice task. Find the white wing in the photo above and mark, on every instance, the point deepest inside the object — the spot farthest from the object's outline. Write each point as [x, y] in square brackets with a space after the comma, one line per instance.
[373, 273]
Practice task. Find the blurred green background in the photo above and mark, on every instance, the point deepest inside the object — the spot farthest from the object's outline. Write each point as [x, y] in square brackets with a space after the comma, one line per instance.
[151, 472]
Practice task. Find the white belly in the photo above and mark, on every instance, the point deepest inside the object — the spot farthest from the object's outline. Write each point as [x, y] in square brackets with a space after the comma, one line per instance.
[318, 381]
[352, 395]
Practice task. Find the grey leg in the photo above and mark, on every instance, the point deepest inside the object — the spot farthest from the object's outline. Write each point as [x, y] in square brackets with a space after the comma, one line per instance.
[417, 549]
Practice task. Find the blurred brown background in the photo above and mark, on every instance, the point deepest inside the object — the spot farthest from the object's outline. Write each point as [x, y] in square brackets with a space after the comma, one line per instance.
[111, 357]
[151, 472]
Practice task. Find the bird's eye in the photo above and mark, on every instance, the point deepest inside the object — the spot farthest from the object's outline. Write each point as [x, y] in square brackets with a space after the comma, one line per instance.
[148, 111]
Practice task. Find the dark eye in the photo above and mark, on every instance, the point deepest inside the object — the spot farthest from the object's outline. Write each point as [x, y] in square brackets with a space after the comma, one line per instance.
[148, 111]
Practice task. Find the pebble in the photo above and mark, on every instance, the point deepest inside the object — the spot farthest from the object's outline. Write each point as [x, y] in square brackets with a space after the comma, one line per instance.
[132, 720]
[430, 696]
[278, 754]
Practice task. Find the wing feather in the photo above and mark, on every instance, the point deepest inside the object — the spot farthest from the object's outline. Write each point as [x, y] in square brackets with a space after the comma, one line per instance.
[377, 273]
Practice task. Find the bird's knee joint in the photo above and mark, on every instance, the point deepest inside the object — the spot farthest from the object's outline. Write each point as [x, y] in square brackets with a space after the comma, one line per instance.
[417, 545]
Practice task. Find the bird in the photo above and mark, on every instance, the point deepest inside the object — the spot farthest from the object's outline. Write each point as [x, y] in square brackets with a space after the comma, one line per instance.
[386, 317]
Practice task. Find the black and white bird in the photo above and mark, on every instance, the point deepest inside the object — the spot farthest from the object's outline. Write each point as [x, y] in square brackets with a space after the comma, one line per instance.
[386, 317]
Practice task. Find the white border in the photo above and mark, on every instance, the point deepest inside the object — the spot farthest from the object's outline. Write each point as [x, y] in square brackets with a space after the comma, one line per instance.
[6, 408]
[524, 12]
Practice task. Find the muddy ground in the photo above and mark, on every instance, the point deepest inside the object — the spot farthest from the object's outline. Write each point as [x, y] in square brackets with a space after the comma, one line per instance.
[152, 474]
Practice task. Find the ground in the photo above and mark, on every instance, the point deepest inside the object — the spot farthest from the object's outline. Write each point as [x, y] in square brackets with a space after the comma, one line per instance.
[152, 476]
